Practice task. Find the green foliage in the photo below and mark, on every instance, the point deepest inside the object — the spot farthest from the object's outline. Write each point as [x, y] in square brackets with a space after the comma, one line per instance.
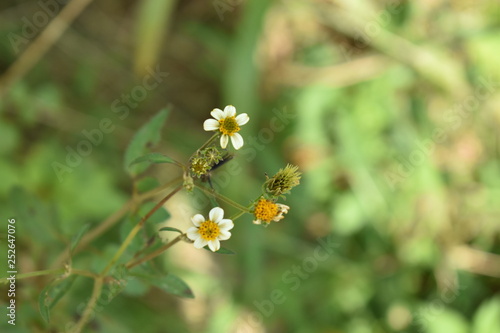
[170, 229]
[145, 138]
[222, 250]
[146, 184]
[51, 294]
[351, 92]
[76, 238]
[152, 158]
[170, 284]
[487, 317]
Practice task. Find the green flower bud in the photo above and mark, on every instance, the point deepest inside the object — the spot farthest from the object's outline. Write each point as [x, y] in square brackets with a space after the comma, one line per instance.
[283, 181]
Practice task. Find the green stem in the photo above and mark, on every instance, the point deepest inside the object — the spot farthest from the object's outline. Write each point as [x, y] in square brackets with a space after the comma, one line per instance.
[52, 272]
[155, 253]
[224, 199]
[36, 273]
[89, 309]
[82, 272]
[113, 219]
[237, 216]
[206, 144]
[136, 229]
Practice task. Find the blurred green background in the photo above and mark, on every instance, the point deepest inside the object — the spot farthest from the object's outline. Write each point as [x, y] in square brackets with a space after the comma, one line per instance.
[391, 109]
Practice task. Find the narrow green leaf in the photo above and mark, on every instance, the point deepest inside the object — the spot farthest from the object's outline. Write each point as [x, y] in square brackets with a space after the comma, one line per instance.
[222, 250]
[169, 283]
[170, 229]
[156, 158]
[152, 23]
[76, 238]
[147, 136]
[52, 293]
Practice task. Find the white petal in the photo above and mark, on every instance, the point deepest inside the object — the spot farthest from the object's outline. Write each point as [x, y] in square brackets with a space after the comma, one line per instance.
[237, 141]
[211, 125]
[226, 224]
[217, 114]
[229, 111]
[257, 221]
[192, 233]
[197, 219]
[214, 245]
[224, 139]
[200, 242]
[224, 235]
[216, 214]
[242, 119]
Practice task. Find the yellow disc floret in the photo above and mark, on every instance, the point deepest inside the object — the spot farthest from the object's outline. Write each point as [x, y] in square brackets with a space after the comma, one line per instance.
[228, 126]
[209, 230]
[265, 210]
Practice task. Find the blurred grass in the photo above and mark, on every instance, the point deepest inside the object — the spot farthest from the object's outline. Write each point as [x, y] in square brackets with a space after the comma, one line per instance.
[365, 85]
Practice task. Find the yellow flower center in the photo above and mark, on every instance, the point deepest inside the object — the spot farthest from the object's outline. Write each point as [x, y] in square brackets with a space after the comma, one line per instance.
[209, 230]
[265, 210]
[228, 126]
[199, 167]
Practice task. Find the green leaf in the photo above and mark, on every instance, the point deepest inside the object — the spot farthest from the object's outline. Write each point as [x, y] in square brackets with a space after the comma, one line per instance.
[170, 284]
[156, 158]
[136, 287]
[38, 218]
[170, 229]
[161, 214]
[146, 184]
[51, 294]
[222, 250]
[147, 136]
[487, 317]
[76, 238]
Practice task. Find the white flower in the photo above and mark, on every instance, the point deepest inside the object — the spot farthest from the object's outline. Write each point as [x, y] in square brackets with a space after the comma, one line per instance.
[228, 124]
[210, 232]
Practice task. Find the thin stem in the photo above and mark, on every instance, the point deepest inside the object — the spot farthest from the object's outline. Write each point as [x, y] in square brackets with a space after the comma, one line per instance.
[136, 229]
[87, 313]
[42, 43]
[112, 220]
[236, 216]
[52, 272]
[36, 273]
[82, 272]
[155, 253]
[206, 144]
[223, 198]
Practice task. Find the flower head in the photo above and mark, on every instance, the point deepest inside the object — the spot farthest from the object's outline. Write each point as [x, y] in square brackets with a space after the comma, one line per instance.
[267, 211]
[228, 123]
[199, 166]
[283, 181]
[210, 232]
[204, 160]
